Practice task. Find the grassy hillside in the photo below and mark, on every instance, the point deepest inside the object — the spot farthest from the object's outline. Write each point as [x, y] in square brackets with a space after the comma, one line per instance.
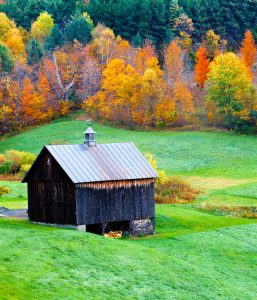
[222, 165]
[194, 255]
[202, 154]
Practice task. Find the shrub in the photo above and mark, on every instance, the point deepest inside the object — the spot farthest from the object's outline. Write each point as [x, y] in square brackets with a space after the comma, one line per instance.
[174, 190]
[4, 190]
[170, 189]
[24, 169]
[2, 159]
[15, 161]
[162, 175]
[5, 167]
[19, 158]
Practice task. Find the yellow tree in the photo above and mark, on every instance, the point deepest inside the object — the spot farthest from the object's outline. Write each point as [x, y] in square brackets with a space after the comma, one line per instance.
[165, 112]
[174, 65]
[248, 49]
[202, 66]
[185, 41]
[42, 27]
[143, 55]
[122, 83]
[5, 25]
[183, 102]
[119, 94]
[9, 108]
[152, 90]
[15, 42]
[103, 45]
[213, 43]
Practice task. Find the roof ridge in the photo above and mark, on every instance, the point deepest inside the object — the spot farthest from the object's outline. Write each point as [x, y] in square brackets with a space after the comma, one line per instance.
[98, 144]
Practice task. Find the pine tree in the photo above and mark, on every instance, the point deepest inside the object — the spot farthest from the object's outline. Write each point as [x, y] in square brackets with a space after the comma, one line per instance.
[34, 52]
[79, 29]
[6, 59]
[55, 39]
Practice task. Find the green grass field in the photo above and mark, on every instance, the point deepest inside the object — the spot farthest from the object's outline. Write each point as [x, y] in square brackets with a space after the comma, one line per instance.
[194, 255]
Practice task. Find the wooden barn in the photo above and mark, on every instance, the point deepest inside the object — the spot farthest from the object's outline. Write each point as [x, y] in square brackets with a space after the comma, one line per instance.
[95, 187]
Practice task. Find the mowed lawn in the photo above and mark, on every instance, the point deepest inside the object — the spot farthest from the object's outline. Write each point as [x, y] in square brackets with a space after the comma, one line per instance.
[194, 255]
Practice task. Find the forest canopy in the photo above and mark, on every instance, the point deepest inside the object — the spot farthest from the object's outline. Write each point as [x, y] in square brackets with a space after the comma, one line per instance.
[136, 20]
[134, 63]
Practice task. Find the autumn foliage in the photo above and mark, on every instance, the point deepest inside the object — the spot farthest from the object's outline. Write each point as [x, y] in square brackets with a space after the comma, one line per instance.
[141, 93]
[232, 90]
[46, 74]
[202, 66]
[248, 49]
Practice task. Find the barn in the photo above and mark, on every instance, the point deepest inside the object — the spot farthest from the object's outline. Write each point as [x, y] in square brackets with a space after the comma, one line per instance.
[94, 187]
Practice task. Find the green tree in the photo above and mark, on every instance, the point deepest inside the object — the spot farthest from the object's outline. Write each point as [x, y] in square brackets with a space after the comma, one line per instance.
[230, 87]
[79, 29]
[24, 12]
[6, 59]
[230, 19]
[55, 39]
[34, 52]
[150, 19]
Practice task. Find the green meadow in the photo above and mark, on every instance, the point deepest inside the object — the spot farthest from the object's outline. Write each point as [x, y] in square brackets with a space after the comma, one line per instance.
[195, 254]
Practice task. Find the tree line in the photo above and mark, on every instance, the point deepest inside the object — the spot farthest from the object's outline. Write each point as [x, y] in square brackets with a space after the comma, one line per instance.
[137, 20]
[46, 71]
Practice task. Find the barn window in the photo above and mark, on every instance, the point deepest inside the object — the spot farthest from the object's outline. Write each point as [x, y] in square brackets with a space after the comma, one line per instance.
[49, 161]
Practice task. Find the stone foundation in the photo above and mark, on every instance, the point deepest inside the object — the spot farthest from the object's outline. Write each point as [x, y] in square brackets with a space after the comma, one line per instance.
[142, 227]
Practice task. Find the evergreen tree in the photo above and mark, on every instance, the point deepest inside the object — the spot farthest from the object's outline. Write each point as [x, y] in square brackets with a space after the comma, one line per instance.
[150, 19]
[55, 39]
[79, 29]
[24, 12]
[230, 19]
[6, 59]
[34, 52]
[137, 41]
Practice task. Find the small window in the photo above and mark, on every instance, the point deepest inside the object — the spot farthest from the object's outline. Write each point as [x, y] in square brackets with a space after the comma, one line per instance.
[49, 161]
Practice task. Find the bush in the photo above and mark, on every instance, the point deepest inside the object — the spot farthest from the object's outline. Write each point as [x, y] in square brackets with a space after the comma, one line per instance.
[162, 177]
[2, 159]
[174, 190]
[170, 189]
[4, 190]
[24, 169]
[15, 161]
[6, 167]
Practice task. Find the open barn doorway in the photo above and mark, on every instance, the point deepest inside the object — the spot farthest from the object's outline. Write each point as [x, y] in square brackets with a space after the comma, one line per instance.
[111, 229]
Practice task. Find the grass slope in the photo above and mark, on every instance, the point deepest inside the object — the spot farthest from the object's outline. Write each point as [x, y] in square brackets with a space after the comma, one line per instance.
[213, 162]
[187, 153]
[195, 256]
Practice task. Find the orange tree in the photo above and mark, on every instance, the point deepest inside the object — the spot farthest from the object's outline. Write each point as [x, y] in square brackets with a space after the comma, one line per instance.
[248, 49]
[202, 66]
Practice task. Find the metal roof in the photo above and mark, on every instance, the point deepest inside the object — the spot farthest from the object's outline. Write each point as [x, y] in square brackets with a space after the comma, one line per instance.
[104, 162]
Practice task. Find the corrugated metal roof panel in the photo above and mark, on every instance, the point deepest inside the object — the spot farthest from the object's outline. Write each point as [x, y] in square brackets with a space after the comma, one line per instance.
[105, 162]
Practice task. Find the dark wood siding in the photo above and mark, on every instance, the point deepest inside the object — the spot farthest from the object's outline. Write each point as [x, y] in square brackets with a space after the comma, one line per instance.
[51, 194]
[116, 204]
